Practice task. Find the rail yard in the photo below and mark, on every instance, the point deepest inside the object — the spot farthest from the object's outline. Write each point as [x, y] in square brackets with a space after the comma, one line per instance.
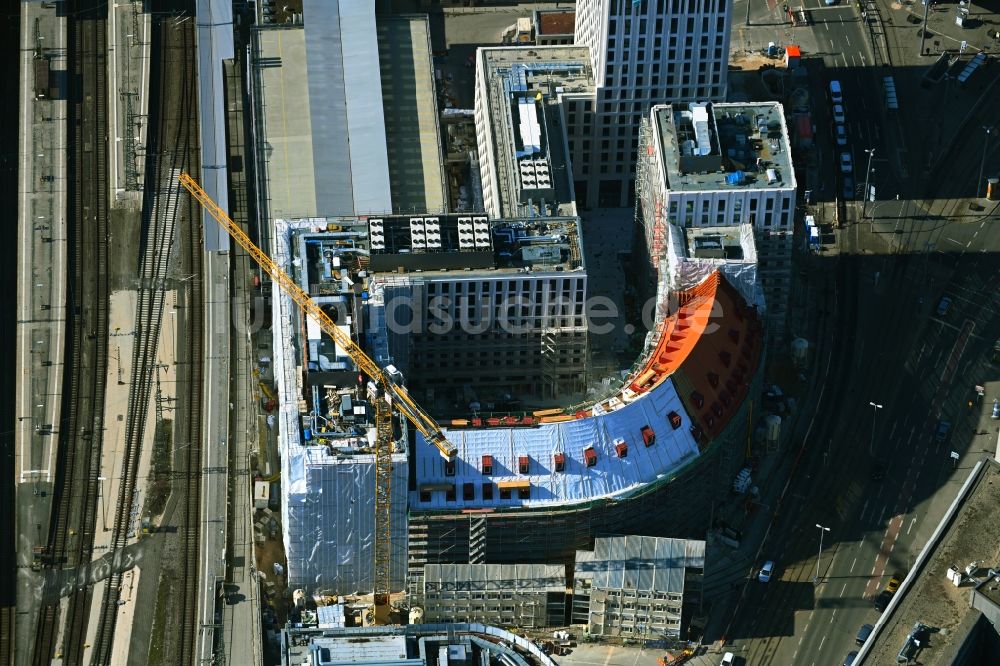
[305, 351]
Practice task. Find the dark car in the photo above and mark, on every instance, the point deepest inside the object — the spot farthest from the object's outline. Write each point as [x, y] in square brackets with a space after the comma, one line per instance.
[863, 633]
[943, 428]
[878, 472]
[851, 656]
[882, 600]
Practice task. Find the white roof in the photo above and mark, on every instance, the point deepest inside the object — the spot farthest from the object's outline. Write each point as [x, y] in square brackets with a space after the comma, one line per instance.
[611, 476]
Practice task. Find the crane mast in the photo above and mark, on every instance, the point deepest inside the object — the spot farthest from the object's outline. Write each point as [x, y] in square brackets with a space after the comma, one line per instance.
[388, 391]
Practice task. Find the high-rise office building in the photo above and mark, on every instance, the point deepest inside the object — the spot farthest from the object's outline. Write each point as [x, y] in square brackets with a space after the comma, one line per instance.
[642, 53]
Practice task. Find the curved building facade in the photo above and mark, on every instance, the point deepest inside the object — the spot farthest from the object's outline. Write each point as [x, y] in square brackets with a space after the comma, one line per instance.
[650, 460]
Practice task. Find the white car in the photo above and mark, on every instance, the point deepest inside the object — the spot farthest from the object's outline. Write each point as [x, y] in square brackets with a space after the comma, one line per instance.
[839, 116]
[846, 163]
[996, 409]
[841, 135]
[766, 571]
[728, 659]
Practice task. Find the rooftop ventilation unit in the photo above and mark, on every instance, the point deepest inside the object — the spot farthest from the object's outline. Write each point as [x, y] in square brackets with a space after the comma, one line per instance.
[466, 237]
[376, 233]
[481, 231]
[417, 237]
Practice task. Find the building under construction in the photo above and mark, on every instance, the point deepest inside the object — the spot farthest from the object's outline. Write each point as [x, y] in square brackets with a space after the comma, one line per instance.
[504, 595]
[474, 311]
[708, 166]
[325, 420]
[650, 459]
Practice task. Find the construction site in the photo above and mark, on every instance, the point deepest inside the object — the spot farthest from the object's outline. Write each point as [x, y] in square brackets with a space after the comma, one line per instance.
[436, 399]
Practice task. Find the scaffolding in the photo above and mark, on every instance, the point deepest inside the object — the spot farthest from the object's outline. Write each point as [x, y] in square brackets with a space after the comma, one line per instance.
[650, 195]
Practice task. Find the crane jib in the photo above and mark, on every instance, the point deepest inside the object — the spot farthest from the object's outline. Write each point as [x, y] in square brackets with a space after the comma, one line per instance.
[401, 398]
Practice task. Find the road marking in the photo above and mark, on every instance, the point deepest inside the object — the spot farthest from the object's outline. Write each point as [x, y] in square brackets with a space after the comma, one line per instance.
[834, 614]
[820, 649]
[847, 39]
[844, 589]
[881, 515]
[852, 568]
[893, 431]
[912, 522]
[863, 509]
[827, 26]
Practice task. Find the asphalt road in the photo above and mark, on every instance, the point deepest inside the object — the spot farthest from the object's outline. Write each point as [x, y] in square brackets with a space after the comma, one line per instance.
[897, 353]
[886, 346]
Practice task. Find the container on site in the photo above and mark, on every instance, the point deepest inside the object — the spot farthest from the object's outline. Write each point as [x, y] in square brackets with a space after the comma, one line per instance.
[261, 494]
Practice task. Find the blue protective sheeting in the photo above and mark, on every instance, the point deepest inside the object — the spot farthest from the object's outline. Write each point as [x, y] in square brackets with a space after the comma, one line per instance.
[611, 476]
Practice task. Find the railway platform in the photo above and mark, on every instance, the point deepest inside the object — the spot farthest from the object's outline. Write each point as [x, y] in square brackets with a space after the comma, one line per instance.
[41, 297]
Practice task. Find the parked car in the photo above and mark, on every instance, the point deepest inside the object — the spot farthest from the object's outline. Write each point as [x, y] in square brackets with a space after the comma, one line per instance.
[893, 583]
[996, 409]
[836, 92]
[944, 306]
[839, 116]
[841, 133]
[728, 659]
[766, 571]
[851, 656]
[943, 428]
[882, 600]
[846, 163]
[863, 633]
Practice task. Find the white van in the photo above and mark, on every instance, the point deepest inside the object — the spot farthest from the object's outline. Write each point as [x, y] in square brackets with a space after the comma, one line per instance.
[836, 92]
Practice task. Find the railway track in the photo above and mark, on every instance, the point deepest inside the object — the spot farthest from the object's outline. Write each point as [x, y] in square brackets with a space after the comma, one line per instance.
[169, 218]
[70, 541]
[180, 45]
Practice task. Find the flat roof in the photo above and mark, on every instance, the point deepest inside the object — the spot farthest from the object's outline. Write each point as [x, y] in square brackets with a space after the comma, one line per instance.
[288, 149]
[526, 577]
[555, 22]
[709, 146]
[370, 651]
[726, 243]
[412, 133]
[455, 242]
[524, 88]
[971, 534]
[639, 563]
[405, 243]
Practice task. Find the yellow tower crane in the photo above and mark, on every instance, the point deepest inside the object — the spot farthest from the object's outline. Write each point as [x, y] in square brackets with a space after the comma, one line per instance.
[390, 393]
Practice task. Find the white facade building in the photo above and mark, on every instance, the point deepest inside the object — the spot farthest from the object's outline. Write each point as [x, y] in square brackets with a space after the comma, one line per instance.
[505, 316]
[719, 165]
[521, 127]
[642, 53]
